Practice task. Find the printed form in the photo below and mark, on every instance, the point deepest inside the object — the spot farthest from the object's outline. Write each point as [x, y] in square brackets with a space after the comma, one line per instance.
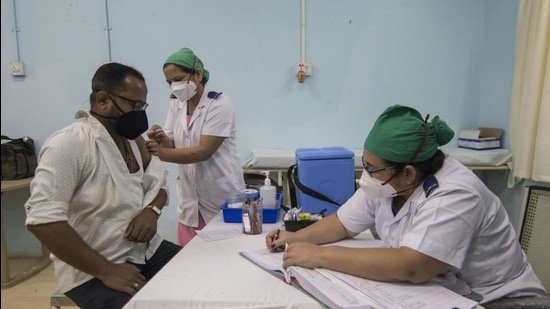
[339, 290]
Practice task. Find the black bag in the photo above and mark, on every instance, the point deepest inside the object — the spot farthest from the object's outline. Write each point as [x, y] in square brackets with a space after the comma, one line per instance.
[18, 158]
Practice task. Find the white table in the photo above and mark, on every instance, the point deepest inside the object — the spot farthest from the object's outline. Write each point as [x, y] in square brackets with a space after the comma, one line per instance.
[213, 275]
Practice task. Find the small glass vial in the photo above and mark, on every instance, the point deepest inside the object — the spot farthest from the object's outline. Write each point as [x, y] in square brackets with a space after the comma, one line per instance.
[252, 216]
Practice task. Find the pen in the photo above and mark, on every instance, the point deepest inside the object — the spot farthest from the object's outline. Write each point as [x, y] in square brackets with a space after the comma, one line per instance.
[277, 235]
[273, 248]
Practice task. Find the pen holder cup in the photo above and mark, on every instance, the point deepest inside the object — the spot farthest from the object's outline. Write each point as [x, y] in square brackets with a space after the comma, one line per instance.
[234, 215]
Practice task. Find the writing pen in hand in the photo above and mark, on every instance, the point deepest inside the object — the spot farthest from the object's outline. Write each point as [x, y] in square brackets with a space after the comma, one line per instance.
[273, 248]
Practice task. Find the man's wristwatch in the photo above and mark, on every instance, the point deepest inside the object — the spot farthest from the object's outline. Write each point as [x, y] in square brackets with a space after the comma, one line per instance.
[155, 209]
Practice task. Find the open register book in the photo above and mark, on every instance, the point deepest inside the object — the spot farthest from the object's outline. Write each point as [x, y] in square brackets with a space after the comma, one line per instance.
[339, 290]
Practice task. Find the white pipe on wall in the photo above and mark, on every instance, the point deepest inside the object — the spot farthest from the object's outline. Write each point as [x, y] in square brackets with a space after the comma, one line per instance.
[16, 30]
[108, 29]
[303, 32]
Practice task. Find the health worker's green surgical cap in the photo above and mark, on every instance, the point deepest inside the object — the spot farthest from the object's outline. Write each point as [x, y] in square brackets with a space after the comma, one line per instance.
[186, 58]
[398, 133]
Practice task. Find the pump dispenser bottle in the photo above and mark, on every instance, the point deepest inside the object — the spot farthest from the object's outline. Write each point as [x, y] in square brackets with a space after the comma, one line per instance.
[268, 193]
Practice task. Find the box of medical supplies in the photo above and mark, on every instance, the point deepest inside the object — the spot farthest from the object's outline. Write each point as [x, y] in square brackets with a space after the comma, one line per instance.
[295, 220]
[480, 139]
[293, 226]
[329, 171]
[235, 214]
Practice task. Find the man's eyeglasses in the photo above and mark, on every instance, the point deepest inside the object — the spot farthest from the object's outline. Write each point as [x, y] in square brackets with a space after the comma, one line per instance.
[376, 170]
[136, 105]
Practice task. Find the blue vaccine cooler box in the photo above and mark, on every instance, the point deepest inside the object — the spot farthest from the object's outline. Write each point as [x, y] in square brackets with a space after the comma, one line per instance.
[329, 171]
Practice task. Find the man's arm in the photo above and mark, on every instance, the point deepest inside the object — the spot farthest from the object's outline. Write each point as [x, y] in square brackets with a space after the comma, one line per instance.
[145, 155]
[62, 240]
[144, 226]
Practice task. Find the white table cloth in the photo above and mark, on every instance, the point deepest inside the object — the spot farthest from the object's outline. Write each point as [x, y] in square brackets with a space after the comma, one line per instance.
[213, 275]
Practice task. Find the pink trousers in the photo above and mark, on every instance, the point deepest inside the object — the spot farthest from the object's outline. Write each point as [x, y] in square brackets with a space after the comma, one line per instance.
[186, 233]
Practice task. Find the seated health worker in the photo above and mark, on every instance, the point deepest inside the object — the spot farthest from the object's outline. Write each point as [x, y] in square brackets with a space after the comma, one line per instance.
[97, 195]
[438, 221]
[200, 136]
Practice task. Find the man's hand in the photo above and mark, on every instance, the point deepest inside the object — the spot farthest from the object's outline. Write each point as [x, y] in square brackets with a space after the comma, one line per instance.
[123, 277]
[143, 227]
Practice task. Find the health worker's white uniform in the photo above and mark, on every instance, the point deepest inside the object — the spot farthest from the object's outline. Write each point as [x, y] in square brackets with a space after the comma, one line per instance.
[204, 186]
[462, 223]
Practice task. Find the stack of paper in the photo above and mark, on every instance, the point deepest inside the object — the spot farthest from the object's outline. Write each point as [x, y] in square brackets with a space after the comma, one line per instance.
[339, 290]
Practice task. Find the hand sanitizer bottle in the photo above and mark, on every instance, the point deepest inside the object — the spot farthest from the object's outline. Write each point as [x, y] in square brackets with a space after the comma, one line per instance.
[268, 193]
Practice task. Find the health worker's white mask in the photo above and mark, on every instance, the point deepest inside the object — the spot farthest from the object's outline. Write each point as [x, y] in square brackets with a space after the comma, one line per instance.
[375, 188]
[183, 90]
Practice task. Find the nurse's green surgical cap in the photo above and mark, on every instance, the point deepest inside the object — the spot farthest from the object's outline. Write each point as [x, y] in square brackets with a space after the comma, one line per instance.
[187, 59]
[398, 133]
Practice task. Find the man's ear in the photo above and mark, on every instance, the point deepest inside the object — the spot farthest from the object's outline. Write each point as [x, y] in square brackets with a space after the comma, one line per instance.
[102, 98]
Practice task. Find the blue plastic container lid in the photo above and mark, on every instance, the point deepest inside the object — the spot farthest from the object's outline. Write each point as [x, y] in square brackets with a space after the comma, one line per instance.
[252, 194]
[324, 153]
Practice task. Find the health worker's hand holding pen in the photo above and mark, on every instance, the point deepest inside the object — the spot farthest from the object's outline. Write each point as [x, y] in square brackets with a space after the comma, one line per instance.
[276, 241]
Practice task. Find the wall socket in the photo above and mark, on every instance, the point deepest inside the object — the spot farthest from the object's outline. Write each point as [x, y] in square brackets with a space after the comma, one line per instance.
[305, 67]
[17, 69]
